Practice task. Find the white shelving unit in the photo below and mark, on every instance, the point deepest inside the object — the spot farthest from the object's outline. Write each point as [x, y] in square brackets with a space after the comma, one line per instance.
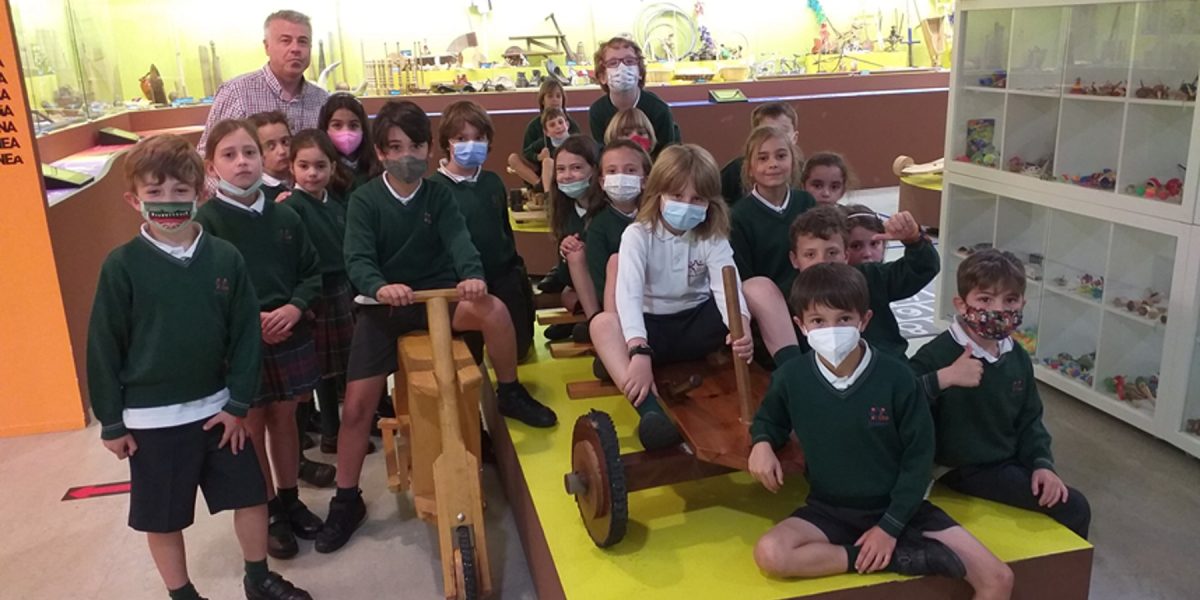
[1045, 54]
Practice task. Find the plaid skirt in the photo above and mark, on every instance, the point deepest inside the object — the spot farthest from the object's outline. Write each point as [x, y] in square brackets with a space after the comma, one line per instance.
[289, 368]
[333, 328]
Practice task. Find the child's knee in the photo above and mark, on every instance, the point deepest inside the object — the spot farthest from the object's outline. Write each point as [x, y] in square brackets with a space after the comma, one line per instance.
[770, 554]
[996, 578]
[604, 322]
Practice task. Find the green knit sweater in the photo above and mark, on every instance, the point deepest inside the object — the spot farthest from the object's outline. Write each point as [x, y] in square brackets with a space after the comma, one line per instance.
[575, 226]
[165, 331]
[761, 241]
[273, 191]
[484, 206]
[602, 111]
[869, 447]
[897, 280]
[423, 244]
[731, 181]
[535, 138]
[282, 261]
[997, 421]
[326, 226]
[603, 238]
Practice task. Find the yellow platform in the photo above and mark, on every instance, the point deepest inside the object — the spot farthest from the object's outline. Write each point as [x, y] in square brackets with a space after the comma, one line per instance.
[695, 540]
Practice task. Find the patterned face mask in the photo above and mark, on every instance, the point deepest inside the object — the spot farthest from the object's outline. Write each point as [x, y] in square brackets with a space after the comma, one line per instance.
[992, 324]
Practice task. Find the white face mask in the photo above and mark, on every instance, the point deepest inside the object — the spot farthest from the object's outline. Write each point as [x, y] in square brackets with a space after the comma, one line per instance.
[622, 187]
[623, 78]
[833, 344]
[234, 191]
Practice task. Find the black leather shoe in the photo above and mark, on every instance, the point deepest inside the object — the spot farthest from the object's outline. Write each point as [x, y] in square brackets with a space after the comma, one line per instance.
[305, 524]
[344, 518]
[656, 432]
[274, 587]
[281, 540]
[926, 557]
[307, 441]
[516, 403]
[317, 474]
[599, 371]
[581, 333]
[558, 332]
[550, 285]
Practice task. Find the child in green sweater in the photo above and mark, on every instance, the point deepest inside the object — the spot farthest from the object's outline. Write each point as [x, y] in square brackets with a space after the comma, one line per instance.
[276, 138]
[759, 231]
[173, 366]
[621, 71]
[779, 115]
[985, 401]
[405, 234]
[826, 176]
[286, 276]
[465, 134]
[551, 94]
[863, 245]
[542, 150]
[631, 124]
[868, 449]
[344, 120]
[573, 194]
[624, 166]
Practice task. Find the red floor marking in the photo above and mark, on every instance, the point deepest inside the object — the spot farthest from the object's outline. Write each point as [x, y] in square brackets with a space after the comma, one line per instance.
[95, 491]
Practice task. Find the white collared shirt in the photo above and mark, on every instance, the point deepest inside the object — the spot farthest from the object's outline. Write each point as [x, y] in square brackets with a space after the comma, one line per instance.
[157, 417]
[843, 383]
[259, 205]
[661, 273]
[580, 210]
[457, 178]
[179, 252]
[403, 199]
[767, 203]
[960, 335]
[271, 181]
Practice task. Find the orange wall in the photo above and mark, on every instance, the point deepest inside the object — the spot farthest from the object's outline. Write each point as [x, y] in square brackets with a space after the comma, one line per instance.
[38, 388]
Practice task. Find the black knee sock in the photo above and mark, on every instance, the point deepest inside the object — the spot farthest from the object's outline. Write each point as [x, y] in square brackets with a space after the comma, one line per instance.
[187, 592]
[256, 571]
[327, 403]
[851, 557]
[650, 405]
[287, 496]
[349, 493]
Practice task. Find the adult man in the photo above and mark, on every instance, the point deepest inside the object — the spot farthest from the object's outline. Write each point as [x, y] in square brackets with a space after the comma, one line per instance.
[280, 84]
[621, 70]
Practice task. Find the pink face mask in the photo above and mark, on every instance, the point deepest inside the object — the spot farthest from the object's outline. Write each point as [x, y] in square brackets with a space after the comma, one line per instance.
[346, 140]
[641, 140]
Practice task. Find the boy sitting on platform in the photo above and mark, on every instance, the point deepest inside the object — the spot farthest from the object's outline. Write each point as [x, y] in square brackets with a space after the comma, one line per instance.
[868, 445]
[985, 401]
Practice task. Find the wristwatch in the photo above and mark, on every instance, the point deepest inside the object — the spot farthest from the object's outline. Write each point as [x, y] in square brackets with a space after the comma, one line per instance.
[642, 349]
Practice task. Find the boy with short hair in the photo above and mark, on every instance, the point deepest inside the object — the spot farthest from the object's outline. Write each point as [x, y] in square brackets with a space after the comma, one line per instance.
[404, 234]
[541, 151]
[779, 115]
[275, 137]
[621, 71]
[465, 135]
[868, 445]
[985, 402]
[173, 365]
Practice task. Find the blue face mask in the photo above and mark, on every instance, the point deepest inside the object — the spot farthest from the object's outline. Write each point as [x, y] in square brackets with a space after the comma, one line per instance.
[575, 189]
[470, 154]
[683, 216]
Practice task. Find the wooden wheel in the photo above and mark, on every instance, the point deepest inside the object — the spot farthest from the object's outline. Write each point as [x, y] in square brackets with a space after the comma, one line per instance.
[466, 574]
[597, 478]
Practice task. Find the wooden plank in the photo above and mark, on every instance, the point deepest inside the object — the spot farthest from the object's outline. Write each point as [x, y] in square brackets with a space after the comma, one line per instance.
[570, 350]
[651, 469]
[525, 216]
[582, 390]
[559, 317]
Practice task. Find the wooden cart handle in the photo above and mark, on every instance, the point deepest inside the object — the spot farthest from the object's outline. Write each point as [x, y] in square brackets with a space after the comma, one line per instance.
[733, 308]
[427, 295]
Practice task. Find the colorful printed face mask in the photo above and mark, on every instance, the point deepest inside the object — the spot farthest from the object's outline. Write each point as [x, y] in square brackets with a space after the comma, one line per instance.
[406, 168]
[992, 324]
[170, 216]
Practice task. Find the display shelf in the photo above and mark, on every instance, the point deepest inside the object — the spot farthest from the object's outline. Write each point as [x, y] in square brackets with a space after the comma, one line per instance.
[1166, 44]
[1030, 134]
[1039, 38]
[1141, 269]
[1076, 246]
[974, 106]
[1035, 93]
[1100, 44]
[1156, 143]
[1089, 138]
[979, 89]
[984, 52]
[1021, 227]
[1129, 351]
[1094, 98]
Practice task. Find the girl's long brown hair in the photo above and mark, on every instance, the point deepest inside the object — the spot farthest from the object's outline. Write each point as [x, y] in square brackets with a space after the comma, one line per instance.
[677, 166]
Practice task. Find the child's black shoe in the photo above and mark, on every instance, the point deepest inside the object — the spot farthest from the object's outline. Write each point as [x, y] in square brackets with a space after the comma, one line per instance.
[550, 285]
[344, 518]
[599, 372]
[656, 432]
[274, 587]
[581, 333]
[305, 524]
[317, 474]
[926, 557]
[281, 540]
[558, 332]
[515, 402]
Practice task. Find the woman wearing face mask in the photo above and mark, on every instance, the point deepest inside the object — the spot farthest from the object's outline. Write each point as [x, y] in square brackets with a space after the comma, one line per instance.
[670, 296]
[621, 70]
[572, 195]
[344, 120]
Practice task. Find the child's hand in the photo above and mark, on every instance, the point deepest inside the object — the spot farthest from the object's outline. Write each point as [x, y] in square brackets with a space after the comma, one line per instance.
[901, 227]
[1049, 489]
[233, 434]
[395, 294]
[966, 371]
[471, 289]
[570, 245]
[764, 466]
[875, 550]
[280, 320]
[544, 154]
[639, 379]
[283, 196]
[743, 347]
[123, 447]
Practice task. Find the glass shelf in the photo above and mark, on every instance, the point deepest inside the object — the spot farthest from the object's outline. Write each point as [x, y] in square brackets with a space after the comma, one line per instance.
[1100, 45]
[1038, 44]
[1089, 139]
[1155, 146]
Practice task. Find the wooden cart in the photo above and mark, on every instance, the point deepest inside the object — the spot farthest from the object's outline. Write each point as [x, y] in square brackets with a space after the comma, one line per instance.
[711, 402]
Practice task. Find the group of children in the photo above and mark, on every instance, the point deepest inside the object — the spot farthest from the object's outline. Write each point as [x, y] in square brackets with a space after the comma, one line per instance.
[327, 233]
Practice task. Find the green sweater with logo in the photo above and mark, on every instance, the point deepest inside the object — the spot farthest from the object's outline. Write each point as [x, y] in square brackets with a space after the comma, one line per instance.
[869, 447]
[603, 239]
[535, 138]
[423, 244]
[165, 331]
[603, 110]
[999, 420]
[326, 226]
[761, 240]
[575, 226]
[273, 191]
[484, 207]
[282, 261]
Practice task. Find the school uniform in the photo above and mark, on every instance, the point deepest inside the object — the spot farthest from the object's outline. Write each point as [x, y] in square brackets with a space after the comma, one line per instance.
[421, 241]
[731, 181]
[534, 130]
[868, 445]
[173, 340]
[670, 291]
[333, 311]
[889, 282]
[284, 269]
[535, 140]
[272, 188]
[360, 173]
[483, 201]
[603, 235]
[602, 111]
[575, 225]
[992, 436]
[760, 236]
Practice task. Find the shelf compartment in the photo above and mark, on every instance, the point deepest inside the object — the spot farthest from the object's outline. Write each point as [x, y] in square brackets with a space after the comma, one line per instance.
[1129, 350]
[971, 218]
[1089, 138]
[1140, 262]
[1166, 45]
[1075, 246]
[974, 107]
[1031, 123]
[1038, 47]
[1099, 49]
[985, 35]
[1068, 327]
[1156, 145]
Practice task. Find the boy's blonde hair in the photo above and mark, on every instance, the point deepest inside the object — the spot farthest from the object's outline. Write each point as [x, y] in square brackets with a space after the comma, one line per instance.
[757, 138]
[675, 168]
[615, 44]
[154, 159]
[627, 120]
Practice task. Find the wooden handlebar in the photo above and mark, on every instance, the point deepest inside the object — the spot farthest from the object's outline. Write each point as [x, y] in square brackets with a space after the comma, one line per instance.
[427, 295]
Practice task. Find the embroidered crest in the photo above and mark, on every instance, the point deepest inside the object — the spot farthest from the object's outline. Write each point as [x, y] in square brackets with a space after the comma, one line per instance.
[285, 235]
[1018, 386]
[878, 416]
[428, 218]
[222, 285]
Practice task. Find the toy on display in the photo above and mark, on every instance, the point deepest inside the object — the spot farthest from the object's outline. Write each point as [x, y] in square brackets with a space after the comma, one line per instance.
[1108, 89]
[1076, 367]
[1193, 426]
[965, 251]
[1087, 285]
[1138, 390]
[1027, 338]
[1042, 168]
[1105, 179]
[998, 79]
[1186, 91]
[1152, 305]
[1034, 266]
[981, 149]
[1171, 191]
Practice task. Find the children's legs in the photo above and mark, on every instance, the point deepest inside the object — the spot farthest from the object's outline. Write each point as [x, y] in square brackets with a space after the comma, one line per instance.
[256, 426]
[517, 163]
[488, 316]
[608, 341]
[581, 282]
[327, 404]
[284, 441]
[362, 396]
[610, 284]
[250, 525]
[991, 578]
[769, 308]
[570, 299]
[1012, 484]
[170, 557]
[797, 548]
